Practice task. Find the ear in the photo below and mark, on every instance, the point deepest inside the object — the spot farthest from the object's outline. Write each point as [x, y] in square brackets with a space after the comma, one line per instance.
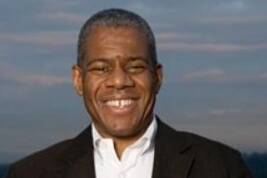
[77, 79]
[159, 77]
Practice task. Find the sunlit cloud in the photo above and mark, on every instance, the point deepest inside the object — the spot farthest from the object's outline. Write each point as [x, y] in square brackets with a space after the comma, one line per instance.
[66, 17]
[264, 76]
[217, 75]
[225, 19]
[159, 25]
[210, 74]
[171, 36]
[208, 47]
[10, 74]
[54, 38]
[233, 5]
[144, 8]
[41, 80]
[225, 111]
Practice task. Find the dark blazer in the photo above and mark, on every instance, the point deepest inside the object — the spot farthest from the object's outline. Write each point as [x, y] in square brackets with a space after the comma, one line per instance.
[177, 155]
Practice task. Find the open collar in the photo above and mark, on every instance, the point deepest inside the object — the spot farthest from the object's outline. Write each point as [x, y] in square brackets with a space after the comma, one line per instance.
[172, 158]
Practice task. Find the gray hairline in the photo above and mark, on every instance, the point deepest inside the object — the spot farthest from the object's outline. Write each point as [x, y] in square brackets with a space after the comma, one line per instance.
[137, 23]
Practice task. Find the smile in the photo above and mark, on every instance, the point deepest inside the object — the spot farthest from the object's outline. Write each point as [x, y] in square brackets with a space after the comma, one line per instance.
[120, 103]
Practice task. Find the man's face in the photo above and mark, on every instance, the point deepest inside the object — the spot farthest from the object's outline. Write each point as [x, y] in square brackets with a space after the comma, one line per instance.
[118, 82]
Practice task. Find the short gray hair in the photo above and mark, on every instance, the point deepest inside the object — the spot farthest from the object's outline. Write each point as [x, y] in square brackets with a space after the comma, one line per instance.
[116, 18]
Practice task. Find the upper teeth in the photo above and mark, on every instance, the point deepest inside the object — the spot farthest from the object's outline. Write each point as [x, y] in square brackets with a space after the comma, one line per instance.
[119, 103]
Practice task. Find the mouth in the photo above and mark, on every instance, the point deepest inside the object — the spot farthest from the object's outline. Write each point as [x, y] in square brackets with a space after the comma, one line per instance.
[120, 106]
[120, 103]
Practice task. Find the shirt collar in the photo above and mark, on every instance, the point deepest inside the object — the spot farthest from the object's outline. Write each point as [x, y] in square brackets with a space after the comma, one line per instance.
[146, 140]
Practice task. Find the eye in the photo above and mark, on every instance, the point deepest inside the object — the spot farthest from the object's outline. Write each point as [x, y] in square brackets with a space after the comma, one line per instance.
[136, 68]
[99, 68]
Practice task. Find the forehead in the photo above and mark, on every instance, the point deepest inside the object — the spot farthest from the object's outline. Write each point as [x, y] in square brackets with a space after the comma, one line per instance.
[113, 42]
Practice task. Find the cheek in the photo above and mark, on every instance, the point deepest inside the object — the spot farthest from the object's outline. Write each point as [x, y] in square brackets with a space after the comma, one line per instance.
[146, 87]
[145, 82]
[91, 88]
[90, 95]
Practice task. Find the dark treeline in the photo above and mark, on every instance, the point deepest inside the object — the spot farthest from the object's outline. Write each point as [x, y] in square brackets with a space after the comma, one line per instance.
[257, 163]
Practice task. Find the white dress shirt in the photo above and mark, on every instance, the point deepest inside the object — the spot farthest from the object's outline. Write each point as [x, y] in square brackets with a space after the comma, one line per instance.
[136, 160]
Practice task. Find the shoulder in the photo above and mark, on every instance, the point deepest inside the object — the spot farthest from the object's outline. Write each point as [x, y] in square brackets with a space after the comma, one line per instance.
[200, 145]
[188, 140]
[210, 151]
[48, 154]
[217, 158]
[36, 162]
[52, 158]
[209, 155]
[204, 145]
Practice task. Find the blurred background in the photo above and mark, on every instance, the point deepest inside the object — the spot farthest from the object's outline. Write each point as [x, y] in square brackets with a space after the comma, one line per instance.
[215, 70]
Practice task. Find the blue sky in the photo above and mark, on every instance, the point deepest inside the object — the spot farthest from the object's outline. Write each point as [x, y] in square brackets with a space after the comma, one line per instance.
[213, 52]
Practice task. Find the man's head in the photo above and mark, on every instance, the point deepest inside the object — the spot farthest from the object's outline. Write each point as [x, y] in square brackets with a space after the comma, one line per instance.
[117, 73]
[115, 18]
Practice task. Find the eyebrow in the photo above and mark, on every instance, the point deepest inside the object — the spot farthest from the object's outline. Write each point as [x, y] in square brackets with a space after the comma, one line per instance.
[131, 58]
[96, 60]
[137, 58]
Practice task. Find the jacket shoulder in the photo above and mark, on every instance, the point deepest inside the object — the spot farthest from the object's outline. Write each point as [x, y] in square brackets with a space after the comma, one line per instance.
[53, 158]
[218, 158]
[211, 158]
[34, 164]
[190, 140]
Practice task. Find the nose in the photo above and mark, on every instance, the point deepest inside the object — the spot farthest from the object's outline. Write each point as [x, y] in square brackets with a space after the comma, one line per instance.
[119, 79]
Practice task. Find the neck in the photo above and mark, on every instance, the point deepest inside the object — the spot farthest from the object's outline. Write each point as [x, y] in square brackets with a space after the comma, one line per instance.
[121, 143]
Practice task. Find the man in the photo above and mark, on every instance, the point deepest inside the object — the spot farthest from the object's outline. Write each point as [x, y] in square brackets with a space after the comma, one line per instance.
[118, 77]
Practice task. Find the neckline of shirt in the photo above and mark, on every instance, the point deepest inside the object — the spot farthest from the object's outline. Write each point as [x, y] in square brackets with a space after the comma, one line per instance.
[144, 143]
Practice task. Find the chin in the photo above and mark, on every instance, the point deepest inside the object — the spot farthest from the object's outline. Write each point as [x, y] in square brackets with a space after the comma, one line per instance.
[124, 133]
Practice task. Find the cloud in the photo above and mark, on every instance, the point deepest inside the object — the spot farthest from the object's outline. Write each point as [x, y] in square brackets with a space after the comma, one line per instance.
[230, 19]
[54, 38]
[209, 74]
[264, 76]
[144, 8]
[167, 41]
[196, 42]
[171, 36]
[217, 75]
[66, 17]
[41, 80]
[225, 111]
[233, 5]
[11, 74]
[208, 47]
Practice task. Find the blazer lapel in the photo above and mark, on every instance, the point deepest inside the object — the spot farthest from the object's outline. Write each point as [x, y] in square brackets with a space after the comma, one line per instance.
[77, 161]
[171, 158]
[82, 161]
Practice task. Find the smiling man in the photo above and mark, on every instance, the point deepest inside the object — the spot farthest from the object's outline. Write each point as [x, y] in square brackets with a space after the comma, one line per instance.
[118, 76]
[118, 82]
